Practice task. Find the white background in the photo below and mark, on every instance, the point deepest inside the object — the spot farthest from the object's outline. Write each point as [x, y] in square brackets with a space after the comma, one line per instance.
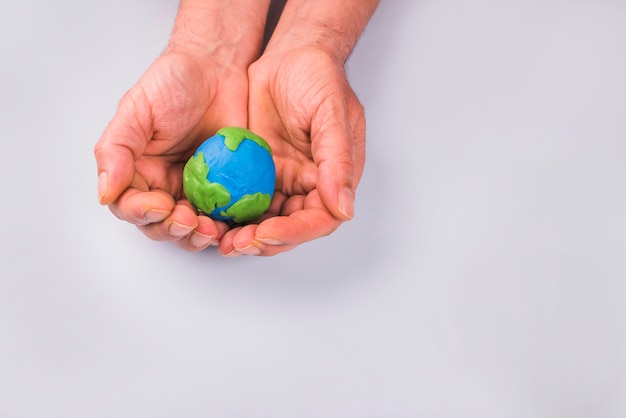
[483, 276]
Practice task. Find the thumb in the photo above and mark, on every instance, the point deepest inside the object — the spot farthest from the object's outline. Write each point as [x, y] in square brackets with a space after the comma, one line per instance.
[333, 152]
[122, 142]
[339, 151]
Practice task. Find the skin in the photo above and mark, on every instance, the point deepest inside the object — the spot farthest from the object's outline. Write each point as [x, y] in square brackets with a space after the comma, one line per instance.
[197, 86]
[296, 96]
[302, 104]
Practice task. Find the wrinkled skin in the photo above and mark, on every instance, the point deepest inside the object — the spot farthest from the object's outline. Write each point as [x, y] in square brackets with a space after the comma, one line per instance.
[298, 100]
[301, 103]
[159, 123]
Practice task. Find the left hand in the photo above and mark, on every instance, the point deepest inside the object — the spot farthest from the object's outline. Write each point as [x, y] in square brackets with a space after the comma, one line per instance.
[300, 101]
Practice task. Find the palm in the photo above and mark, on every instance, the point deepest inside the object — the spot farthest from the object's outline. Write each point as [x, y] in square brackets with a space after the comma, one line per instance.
[177, 106]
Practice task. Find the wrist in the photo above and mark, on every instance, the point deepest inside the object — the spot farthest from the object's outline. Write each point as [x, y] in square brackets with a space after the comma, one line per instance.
[229, 32]
[312, 37]
[327, 25]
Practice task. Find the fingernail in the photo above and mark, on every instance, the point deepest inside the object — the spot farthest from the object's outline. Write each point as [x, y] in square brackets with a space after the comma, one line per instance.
[346, 203]
[155, 215]
[270, 241]
[233, 253]
[103, 185]
[250, 250]
[178, 230]
[200, 240]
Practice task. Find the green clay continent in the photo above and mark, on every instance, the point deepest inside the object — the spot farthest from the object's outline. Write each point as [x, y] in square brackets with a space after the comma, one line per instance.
[249, 207]
[233, 136]
[203, 194]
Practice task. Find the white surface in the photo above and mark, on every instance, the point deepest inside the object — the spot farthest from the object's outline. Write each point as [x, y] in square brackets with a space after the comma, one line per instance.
[482, 277]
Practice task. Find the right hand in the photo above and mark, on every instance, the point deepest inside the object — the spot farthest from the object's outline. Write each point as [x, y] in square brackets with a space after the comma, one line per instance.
[181, 100]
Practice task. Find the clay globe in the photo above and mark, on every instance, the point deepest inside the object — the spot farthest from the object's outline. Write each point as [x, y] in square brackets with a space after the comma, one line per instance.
[231, 176]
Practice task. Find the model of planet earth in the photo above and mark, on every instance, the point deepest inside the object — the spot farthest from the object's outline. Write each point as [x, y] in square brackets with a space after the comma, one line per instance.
[231, 176]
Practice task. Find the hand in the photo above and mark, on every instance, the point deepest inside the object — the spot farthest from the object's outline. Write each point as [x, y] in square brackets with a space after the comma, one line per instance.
[301, 103]
[181, 100]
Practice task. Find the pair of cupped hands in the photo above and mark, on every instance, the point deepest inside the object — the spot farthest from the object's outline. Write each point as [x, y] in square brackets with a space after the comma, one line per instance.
[298, 100]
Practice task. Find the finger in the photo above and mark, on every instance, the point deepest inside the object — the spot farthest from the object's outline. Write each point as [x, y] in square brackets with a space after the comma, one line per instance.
[207, 233]
[143, 207]
[179, 224]
[279, 234]
[299, 227]
[293, 204]
[122, 141]
[242, 241]
[333, 141]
